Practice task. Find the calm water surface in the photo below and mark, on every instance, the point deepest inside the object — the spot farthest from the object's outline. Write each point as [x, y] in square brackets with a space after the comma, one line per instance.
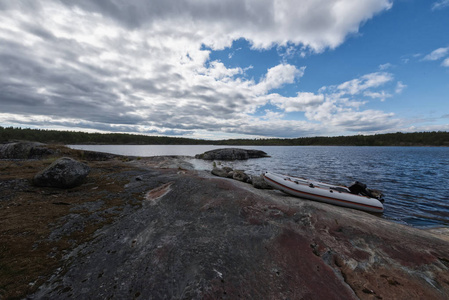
[414, 180]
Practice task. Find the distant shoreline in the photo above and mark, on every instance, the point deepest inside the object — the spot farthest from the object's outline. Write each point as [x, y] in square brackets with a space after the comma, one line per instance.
[243, 145]
[415, 139]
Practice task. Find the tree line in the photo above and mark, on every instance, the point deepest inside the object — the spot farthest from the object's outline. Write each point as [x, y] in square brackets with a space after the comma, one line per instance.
[434, 138]
[78, 137]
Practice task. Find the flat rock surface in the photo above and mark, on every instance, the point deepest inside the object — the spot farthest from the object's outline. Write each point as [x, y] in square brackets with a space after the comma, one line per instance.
[201, 237]
[175, 233]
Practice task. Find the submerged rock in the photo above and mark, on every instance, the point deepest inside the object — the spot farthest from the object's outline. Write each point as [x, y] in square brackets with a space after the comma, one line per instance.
[231, 154]
[63, 173]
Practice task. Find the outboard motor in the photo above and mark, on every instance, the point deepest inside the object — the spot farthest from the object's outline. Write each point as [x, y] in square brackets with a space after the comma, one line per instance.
[357, 187]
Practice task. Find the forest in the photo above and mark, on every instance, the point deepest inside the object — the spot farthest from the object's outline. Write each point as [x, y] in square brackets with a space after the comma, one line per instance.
[434, 138]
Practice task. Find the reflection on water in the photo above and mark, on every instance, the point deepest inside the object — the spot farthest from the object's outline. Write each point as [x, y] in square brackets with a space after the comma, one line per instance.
[414, 180]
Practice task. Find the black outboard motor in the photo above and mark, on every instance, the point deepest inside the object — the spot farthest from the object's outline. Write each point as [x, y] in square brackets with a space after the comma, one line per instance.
[359, 188]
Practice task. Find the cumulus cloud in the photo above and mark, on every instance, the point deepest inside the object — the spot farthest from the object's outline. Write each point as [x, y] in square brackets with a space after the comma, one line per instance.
[335, 112]
[316, 24]
[342, 105]
[301, 102]
[144, 66]
[279, 75]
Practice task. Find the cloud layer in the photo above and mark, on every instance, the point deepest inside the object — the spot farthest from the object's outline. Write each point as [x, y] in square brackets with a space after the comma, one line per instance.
[144, 66]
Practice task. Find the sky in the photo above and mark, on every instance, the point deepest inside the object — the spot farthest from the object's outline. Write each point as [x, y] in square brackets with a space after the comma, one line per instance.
[225, 69]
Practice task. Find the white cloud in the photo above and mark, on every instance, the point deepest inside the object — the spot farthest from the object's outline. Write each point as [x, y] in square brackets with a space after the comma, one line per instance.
[399, 87]
[381, 95]
[437, 54]
[219, 71]
[358, 85]
[368, 120]
[334, 112]
[272, 115]
[440, 4]
[278, 76]
[301, 102]
[445, 62]
[384, 67]
[342, 107]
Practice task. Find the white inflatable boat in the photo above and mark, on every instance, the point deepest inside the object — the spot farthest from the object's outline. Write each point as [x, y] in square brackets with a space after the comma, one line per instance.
[356, 196]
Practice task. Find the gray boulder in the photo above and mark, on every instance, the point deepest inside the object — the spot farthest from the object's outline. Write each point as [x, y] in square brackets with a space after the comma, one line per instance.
[223, 172]
[62, 173]
[240, 176]
[259, 183]
[231, 154]
[24, 150]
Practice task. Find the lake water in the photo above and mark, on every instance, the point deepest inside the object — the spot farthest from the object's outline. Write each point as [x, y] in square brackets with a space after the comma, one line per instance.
[414, 180]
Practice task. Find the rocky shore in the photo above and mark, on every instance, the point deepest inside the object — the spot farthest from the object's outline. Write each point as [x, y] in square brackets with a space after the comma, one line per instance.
[155, 228]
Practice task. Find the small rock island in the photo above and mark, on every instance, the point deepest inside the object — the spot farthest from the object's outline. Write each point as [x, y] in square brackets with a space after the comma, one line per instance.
[231, 154]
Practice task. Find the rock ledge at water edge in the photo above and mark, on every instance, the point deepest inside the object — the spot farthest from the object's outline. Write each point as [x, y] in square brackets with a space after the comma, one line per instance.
[231, 154]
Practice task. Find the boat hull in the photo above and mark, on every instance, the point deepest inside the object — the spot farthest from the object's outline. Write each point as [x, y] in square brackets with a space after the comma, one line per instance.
[322, 192]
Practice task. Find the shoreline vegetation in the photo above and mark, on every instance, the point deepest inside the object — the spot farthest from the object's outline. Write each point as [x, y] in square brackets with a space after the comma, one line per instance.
[157, 228]
[434, 138]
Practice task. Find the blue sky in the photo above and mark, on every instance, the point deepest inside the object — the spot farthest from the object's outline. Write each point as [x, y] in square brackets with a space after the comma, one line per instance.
[226, 69]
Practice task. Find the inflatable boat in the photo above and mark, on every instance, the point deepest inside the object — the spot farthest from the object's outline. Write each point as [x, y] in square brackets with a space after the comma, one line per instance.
[356, 196]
